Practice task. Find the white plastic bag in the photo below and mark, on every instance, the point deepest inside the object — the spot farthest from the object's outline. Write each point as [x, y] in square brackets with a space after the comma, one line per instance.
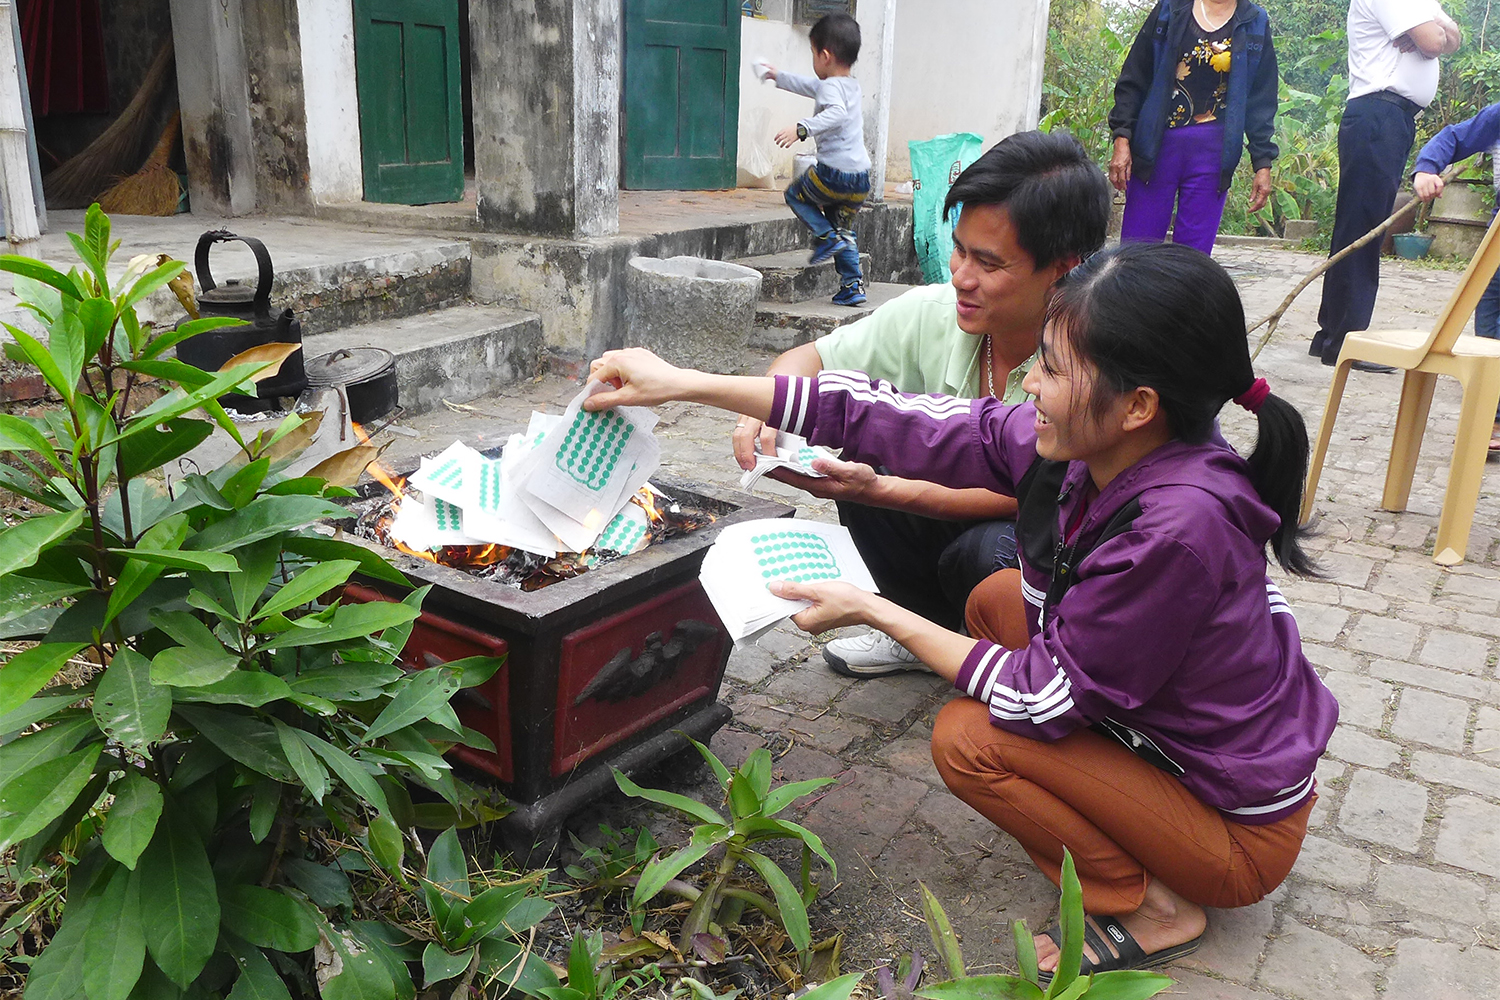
[756, 169]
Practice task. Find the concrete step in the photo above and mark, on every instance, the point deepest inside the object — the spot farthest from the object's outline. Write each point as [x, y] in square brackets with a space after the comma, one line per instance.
[458, 353]
[788, 277]
[780, 326]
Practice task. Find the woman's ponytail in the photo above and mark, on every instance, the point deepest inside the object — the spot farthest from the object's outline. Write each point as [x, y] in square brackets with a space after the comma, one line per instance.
[1278, 469]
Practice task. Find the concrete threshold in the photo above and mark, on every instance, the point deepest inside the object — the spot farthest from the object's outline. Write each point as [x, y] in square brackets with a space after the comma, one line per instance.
[780, 326]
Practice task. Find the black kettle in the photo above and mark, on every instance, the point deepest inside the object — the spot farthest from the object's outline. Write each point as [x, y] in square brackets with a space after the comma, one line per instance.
[210, 350]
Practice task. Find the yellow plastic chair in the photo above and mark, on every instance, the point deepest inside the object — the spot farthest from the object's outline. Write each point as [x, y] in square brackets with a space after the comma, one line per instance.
[1474, 361]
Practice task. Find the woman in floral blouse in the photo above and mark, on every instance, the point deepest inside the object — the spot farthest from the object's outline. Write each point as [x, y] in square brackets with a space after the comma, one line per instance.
[1198, 84]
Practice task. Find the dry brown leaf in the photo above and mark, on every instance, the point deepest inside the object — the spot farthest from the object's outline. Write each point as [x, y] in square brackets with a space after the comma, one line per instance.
[345, 468]
[274, 354]
[295, 441]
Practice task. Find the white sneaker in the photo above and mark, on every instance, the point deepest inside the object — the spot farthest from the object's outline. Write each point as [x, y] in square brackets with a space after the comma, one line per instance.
[873, 654]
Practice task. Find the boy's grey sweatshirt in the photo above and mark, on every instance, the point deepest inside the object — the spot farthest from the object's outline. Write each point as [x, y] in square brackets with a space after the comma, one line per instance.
[836, 122]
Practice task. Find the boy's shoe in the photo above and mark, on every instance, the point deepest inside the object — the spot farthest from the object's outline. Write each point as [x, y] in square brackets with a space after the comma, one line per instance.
[827, 247]
[873, 654]
[850, 295]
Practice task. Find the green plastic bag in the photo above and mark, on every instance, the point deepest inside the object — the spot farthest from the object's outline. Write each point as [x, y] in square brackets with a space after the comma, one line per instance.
[935, 165]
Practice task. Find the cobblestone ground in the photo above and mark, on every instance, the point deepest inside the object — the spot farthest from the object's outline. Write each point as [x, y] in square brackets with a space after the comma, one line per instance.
[1396, 891]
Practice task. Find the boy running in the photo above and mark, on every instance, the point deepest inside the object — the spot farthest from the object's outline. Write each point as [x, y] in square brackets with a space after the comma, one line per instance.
[828, 195]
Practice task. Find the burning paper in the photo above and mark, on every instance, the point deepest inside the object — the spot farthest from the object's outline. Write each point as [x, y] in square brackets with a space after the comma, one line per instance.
[792, 452]
[748, 557]
[429, 525]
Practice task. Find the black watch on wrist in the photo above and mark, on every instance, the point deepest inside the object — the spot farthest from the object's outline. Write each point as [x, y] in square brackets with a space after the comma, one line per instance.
[801, 132]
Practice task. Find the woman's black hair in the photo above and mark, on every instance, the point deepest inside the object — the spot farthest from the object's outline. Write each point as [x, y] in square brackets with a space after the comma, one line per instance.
[1057, 198]
[839, 34]
[1168, 318]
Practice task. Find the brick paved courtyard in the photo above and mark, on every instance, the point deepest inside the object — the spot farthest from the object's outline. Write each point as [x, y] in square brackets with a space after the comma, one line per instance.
[1397, 892]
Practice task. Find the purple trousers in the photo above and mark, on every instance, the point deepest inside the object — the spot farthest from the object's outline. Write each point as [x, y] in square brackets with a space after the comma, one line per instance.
[1186, 176]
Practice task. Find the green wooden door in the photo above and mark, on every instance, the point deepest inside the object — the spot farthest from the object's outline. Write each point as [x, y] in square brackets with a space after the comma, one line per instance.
[682, 97]
[406, 56]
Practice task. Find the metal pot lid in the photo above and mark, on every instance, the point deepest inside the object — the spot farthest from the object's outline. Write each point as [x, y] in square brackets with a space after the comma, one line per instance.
[231, 291]
[350, 366]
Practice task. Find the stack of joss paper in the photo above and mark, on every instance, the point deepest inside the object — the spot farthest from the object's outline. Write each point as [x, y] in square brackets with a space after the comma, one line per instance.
[563, 486]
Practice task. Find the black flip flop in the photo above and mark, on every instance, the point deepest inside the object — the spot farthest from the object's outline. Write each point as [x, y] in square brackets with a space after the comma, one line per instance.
[1126, 952]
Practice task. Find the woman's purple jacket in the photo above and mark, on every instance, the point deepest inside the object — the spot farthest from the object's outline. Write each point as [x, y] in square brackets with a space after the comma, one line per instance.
[1172, 633]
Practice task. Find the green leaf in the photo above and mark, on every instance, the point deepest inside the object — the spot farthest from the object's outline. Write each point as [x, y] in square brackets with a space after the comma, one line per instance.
[46, 744]
[269, 919]
[352, 681]
[447, 883]
[387, 844]
[788, 899]
[350, 771]
[943, 938]
[1025, 950]
[258, 564]
[149, 450]
[240, 488]
[760, 828]
[1076, 989]
[38, 271]
[179, 900]
[371, 563]
[309, 769]
[35, 710]
[151, 281]
[681, 803]
[114, 946]
[67, 336]
[983, 988]
[34, 798]
[261, 518]
[475, 670]
[1070, 920]
[183, 331]
[98, 318]
[258, 980]
[58, 972]
[22, 545]
[251, 688]
[212, 562]
[757, 772]
[265, 799]
[325, 886]
[835, 989]
[127, 706]
[30, 670]
[1126, 984]
[191, 666]
[502, 961]
[39, 356]
[393, 949]
[720, 771]
[363, 975]
[779, 798]
[349, 621]
[657, 874]
[19, 436]
[132, 818]
[308, 585]
[177, 402]
[94, 248]
[249, 741]
[438, 965]
[420, 697]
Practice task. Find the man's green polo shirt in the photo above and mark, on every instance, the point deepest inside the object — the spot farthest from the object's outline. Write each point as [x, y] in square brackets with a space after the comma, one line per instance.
[913, 342]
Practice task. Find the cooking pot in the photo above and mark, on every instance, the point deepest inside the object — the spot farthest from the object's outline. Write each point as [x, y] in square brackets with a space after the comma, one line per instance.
[210, 350]
[368, 375]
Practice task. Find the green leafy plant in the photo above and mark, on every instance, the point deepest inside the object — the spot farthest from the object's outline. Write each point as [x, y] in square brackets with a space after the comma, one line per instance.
[615, 859]
[196, 712]
[589, 977]
[478, 933]
[1066, 984]
[753, 807]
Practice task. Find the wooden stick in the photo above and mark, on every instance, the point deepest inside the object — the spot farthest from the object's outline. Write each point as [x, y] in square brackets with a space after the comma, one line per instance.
[1274, 317]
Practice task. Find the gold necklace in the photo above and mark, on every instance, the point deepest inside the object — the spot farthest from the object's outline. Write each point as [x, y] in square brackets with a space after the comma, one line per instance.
[989, 366]
[1202, 6]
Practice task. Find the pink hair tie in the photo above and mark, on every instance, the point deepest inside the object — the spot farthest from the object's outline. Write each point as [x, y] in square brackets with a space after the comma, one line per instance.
[1252, 398]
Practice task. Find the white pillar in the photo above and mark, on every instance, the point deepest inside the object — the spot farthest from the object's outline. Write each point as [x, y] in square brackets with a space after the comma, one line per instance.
[1032, 112]
[882, 117]
[16, 197]
[331, 101]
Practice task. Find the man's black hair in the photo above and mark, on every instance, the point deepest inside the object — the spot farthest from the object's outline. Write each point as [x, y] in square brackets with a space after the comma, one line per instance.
[839, 34]
[1057, 198]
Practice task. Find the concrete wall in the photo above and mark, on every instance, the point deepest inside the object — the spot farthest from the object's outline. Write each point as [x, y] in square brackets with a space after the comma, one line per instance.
[335, 174]
[273, 60]
[964, 66]
[765, 110]
[213, 91]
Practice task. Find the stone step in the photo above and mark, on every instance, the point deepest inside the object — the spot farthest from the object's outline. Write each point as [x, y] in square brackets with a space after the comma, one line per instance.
[458, 353]
[780, 326]
[788, 277]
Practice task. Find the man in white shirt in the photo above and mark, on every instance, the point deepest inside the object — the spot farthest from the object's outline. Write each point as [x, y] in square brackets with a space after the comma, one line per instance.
[1393, 74]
